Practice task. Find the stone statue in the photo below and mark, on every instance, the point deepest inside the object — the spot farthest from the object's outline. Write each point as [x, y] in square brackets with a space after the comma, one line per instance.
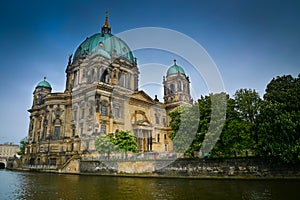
[70, 59]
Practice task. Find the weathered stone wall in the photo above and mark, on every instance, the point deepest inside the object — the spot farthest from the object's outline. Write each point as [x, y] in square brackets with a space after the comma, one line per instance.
[98, 167]
[136, 167]
[122, 167]
[71, 167]
[245, 167]
[252, 167]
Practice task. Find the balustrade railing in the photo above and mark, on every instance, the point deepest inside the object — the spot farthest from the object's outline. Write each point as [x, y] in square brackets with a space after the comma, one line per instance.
[131, 157]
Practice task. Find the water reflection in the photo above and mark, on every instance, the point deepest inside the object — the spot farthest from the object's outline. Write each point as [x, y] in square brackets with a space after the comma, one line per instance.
[19, 185]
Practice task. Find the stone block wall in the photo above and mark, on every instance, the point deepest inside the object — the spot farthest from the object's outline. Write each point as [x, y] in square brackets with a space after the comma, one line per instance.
[99, 167]
[242, 167]
[236, 167]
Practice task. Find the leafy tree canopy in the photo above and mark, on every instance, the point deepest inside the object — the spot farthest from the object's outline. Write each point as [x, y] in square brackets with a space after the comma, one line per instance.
[23, 143]
[278, 125]
[116, 142]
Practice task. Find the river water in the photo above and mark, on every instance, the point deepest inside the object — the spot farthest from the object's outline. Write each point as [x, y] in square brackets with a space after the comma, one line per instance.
[40, 186]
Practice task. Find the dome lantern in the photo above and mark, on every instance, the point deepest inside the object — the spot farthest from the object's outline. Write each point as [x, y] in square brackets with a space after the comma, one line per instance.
[44, 84]
[175, 69]
[106, 27]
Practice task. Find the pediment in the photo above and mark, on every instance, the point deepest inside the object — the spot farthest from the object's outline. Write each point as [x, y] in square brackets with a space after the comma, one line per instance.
[142, 96]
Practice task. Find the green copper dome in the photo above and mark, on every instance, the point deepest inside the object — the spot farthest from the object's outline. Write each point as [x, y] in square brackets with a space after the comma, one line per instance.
[104, 44]
[44, 84]
[175, 69]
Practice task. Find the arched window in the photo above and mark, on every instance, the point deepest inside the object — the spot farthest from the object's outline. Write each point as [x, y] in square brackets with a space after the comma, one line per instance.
[156, 119]
[91, 110]
[99, 74]
[128, 80]
[124, 80]
[103, 110]
[97, 105]
[105, 77]
[117, 112]
[56, 132]
[179, 86]
[184, 87]
[75, 114]
[82, 113]
[103, 129]
[164, 120]
[172, 88]
[57, 112]
[83, 73]
[44, 133]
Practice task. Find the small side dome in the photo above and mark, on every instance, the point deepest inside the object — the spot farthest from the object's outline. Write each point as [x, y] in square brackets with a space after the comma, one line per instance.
[44, 84]
[175, 69]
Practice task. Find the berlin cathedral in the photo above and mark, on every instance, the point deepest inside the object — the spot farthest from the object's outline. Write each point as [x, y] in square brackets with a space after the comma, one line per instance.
[101, 96]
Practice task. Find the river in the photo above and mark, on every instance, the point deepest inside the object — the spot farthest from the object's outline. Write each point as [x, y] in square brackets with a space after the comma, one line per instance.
[28, 185]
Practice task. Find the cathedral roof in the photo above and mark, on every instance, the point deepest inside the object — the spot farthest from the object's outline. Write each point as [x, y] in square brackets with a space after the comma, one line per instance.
[175, 69]
[44, 84]
[104, 44]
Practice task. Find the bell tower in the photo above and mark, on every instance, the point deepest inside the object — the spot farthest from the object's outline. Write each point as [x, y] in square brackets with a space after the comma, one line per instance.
[176, 87]
[42, 89]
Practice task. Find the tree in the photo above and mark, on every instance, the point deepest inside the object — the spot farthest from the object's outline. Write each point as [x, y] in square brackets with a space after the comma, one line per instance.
[105, 145]
[239, 134]
[184, 123]
[279, 120]
[23, 143]
[279, 140]
[285, 90]
[214, 118]
[195, 127]
[247, 103]
[116, 142]
[125, 141]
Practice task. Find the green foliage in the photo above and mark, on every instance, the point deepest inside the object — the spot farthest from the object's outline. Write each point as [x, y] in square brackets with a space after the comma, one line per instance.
[278, 125]
[184, 122]
[175, 121]
[246, 104]
[270, 128]
[238, 135]
[214, 121]
[286, 91]
[105, 145]
[23, 143]
[120, 141]
[192, 125]
[124, 140]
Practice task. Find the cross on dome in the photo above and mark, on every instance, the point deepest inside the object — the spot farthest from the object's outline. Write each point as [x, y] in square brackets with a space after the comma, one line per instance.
[106, 27]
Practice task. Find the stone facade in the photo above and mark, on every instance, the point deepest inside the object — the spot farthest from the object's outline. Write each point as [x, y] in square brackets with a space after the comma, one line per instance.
[8, 150]
[101, 96]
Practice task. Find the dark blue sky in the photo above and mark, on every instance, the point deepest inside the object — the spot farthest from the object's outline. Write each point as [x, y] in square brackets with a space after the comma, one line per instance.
[250, 41]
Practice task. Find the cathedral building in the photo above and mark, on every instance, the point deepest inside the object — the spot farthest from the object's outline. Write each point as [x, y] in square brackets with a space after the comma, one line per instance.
[101, 96]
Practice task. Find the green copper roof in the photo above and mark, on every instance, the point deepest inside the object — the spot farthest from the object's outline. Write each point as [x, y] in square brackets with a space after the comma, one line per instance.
[44, 84]
[175, 69]
[104, 44]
